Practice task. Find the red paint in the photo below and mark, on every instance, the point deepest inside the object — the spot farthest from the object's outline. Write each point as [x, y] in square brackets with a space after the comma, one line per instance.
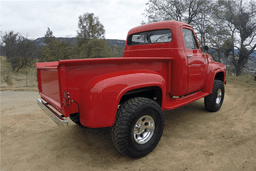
[98, 85]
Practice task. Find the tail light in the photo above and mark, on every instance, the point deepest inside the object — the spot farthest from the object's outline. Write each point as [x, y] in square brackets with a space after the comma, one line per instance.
[66, 99]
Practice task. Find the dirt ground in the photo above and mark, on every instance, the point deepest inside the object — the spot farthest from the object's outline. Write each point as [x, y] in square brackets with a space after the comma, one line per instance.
[193, 139]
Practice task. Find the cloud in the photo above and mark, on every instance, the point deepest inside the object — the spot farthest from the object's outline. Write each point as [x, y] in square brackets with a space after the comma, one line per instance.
[33, 17]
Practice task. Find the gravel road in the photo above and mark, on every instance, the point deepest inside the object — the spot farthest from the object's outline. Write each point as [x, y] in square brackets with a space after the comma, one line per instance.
[193, 139]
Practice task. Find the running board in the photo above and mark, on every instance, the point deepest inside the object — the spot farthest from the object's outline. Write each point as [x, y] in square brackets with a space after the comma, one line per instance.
[174, 103]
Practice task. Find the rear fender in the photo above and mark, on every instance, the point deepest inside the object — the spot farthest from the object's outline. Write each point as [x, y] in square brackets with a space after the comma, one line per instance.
[101, 96]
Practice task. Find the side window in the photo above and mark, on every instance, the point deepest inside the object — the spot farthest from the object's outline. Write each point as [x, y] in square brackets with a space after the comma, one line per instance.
[154, 36]
[189, 39]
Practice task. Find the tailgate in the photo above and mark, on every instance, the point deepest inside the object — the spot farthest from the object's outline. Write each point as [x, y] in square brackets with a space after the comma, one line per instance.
[49, 84]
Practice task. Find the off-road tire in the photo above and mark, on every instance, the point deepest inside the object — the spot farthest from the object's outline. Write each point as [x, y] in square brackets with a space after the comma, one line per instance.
[128, 115]
[210, 101]
[75, 118]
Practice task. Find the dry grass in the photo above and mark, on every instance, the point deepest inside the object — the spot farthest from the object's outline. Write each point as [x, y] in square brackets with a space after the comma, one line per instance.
[26, 77]
[245, 81]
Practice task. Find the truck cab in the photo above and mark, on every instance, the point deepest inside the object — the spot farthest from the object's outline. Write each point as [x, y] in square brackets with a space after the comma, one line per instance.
[176, 40]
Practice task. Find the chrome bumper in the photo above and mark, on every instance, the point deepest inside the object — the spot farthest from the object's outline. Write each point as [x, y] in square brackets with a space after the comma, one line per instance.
[60, 121]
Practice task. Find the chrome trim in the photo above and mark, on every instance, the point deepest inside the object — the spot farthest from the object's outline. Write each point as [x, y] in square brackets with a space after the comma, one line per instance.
[219, 96]
[144, 129]
[60, 121]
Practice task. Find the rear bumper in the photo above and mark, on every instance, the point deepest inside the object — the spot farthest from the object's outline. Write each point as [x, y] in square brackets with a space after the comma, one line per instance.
[60, 121]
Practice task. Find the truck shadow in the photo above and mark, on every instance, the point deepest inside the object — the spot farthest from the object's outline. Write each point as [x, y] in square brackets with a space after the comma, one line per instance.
[186, 119]
[95, 146]
[185, 113]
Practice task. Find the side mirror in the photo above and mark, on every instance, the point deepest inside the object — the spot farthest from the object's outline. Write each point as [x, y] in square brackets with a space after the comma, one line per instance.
[206, 48]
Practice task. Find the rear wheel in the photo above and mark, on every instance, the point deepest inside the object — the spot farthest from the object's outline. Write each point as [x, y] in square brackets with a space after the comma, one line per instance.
[75, 118]
[138, 127]
[213, 102]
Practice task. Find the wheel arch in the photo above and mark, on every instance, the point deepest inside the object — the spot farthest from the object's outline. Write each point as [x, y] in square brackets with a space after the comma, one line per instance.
[153, 92]
[102, 96]
[218, 74]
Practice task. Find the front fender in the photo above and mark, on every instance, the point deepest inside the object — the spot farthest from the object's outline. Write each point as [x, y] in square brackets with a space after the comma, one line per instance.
[101, 96]
[213, 69]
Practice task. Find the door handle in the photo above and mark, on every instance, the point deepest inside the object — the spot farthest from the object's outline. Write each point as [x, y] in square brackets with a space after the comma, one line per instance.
[190, 56]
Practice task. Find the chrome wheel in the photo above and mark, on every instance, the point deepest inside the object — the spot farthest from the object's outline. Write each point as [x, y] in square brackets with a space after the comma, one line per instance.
[144, 129]
[219, 96]
[138, 127]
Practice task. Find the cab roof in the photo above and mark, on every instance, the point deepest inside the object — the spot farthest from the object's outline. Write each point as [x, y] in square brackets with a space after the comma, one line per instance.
[157, 26]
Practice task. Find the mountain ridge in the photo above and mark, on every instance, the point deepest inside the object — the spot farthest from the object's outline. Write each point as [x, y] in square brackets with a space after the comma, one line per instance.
[112, 42]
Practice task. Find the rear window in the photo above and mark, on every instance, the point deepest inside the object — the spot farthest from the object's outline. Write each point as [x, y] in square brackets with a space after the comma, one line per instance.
[148, 37]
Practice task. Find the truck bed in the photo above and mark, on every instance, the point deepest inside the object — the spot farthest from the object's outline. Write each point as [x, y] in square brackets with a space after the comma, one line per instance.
[74, 75]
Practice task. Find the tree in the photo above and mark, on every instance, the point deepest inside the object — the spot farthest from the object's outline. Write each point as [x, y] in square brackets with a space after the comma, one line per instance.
[116, 51]
[90, 38]
[203, 22]
[20, 51]
[89, 28]
[95, 48]
[217, 34]
[26, 53]
[240, 18]
[9, 42]
[217, 37]
[193, 12]
[179, 10]
[48, 36]
[55, 50]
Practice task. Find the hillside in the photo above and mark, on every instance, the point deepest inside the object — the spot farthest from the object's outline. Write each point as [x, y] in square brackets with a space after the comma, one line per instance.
[26, 78]
[112, 42]
[249, 67]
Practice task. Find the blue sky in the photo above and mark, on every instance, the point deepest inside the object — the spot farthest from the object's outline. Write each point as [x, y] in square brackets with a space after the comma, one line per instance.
[31, 18]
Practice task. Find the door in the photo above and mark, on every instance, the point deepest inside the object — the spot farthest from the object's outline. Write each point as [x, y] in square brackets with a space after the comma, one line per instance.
[196, 62]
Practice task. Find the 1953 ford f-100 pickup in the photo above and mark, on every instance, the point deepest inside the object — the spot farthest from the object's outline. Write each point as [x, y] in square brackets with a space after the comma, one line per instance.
[162, 68]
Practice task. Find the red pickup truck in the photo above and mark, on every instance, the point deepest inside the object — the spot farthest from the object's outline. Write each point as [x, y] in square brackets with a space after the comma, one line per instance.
[162, 68]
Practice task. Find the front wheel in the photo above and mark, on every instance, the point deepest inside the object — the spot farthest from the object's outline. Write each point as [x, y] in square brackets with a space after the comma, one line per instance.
[138, 127]
[214, 101]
